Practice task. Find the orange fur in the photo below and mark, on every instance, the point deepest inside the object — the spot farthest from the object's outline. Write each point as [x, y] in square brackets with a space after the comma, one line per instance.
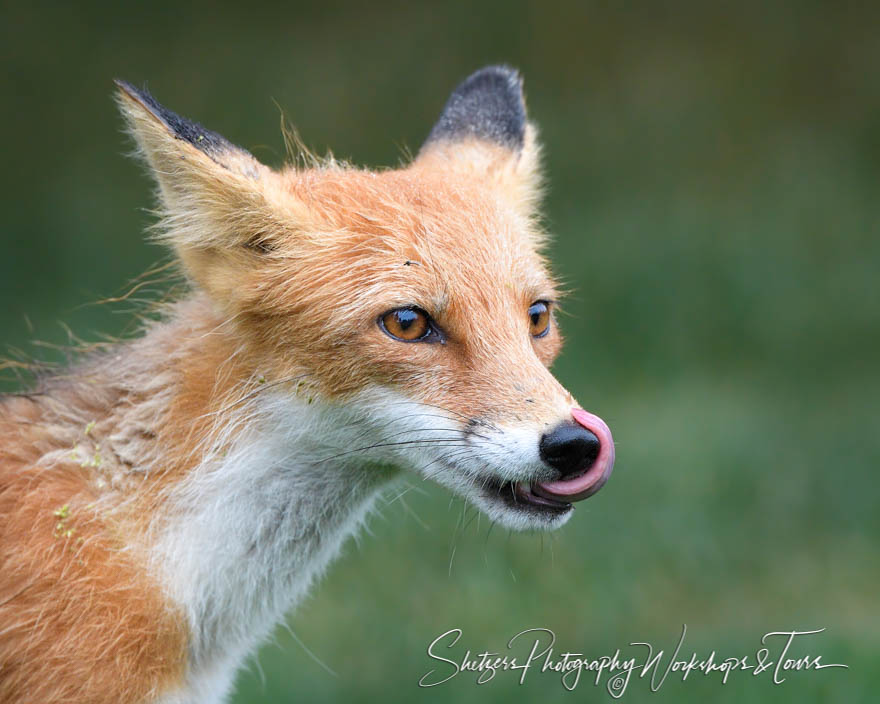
[72, 596]
[290, 272]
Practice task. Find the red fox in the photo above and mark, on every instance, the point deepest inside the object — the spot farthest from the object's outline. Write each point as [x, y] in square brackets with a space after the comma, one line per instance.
[166, 501]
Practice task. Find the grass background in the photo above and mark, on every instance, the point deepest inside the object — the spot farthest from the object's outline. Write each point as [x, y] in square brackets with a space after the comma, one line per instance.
[714, 175]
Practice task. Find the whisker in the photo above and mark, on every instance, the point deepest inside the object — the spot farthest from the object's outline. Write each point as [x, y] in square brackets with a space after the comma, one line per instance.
[463, 416]
[436, 442]
[251, 394]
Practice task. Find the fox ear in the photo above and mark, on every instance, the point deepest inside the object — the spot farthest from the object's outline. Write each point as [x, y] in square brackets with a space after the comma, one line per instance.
[484, 129]
[156, 128]
[488, 105]
[220, 207]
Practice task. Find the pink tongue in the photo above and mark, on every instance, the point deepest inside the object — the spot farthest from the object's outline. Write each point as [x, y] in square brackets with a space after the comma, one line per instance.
[587, 484]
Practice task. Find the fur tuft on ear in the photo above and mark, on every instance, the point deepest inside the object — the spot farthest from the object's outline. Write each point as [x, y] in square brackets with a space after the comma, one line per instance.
[483, 130]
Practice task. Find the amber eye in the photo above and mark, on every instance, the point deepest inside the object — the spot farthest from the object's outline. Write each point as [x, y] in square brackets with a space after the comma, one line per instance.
[539, 318]
[406, 324]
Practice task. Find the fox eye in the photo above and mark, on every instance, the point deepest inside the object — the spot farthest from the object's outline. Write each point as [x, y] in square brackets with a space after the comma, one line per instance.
[407, 324]
[539, 318]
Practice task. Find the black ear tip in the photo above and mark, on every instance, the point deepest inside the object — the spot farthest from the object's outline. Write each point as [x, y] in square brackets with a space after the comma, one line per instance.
[126, 91]
[124, 86]
[488, 105]
[200, 137]
[499, 76]
[141, 95]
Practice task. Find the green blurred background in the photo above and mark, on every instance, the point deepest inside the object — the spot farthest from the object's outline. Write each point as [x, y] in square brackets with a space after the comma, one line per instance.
[714, 174]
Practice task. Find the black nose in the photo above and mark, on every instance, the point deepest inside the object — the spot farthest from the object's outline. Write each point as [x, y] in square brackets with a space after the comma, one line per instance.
[570, 448]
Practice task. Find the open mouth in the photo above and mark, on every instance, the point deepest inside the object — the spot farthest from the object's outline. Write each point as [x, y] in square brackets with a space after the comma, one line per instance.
[521, 496]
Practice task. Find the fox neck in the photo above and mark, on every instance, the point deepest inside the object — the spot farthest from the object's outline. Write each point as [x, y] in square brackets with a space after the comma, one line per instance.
[266, 504]
[246, 535]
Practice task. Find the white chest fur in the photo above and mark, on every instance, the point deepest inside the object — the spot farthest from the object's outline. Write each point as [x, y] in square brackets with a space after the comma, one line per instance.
[246, 533]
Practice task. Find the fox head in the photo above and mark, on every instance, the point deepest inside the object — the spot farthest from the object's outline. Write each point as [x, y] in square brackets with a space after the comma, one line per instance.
[414, 298]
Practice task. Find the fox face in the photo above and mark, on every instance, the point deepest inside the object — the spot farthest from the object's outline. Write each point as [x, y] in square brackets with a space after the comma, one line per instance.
[411, 306]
